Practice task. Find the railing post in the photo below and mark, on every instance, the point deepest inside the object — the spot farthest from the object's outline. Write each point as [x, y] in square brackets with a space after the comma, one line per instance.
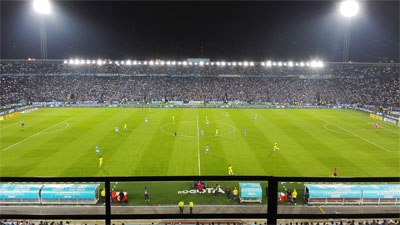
[272, 200]
[108, 202]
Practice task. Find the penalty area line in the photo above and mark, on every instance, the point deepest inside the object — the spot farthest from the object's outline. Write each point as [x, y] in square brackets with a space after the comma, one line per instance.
[36, 134]
[356, 135]
[385, 129]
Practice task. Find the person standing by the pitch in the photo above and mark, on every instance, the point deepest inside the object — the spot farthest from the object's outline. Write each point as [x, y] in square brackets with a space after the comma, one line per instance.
[181, 205]
[146, 194]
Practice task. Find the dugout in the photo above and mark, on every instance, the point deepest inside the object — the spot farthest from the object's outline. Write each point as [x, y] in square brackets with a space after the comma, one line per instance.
[20, 193]
[250, 192]
[352, 194]
[70, 193]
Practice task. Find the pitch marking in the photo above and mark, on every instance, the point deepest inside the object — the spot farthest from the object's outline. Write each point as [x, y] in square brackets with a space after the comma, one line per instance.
[38, 133]
[198, 143]
[386, 129]
[326, 127]
[10, 125]
[61, 129]
[355, 134]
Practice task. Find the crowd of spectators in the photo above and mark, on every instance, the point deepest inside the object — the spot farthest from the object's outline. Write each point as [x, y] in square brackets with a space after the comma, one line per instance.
[43, 81]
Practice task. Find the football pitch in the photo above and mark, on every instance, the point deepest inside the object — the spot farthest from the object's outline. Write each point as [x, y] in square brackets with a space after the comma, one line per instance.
[61, 142]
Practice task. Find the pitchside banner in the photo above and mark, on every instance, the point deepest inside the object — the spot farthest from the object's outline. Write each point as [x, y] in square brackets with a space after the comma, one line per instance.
[375, 116]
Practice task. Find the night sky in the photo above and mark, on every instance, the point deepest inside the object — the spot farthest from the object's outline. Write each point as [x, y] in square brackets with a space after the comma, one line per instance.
[256, 31]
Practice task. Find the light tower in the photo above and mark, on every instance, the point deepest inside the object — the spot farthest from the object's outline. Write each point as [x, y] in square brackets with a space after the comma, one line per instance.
[43, 8]
[348, 9]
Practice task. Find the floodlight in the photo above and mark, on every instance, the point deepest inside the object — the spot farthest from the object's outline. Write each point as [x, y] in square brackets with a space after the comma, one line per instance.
[320, 64]
[145, 63]
[99, 62]
[207, 63]
[88, 62]
[151, 63]
[349, 8]
[218, 63]
[201, 63]
[285, 64]
[128, 62]
[223, 63]
[313, 64]
[134, 62]
[262, 64]
[42, 6]
[76, 62]
[234, 64]
[245, 63]
[190, 63]
[269, 63]
[71, 61]
[123, 62]
[93, 61]
[229, 63]
[297, 64]
[240, 63]
[252, 64]
[301, 64]
[195, 63]
[173, 63]
[290, 64]
[279, 63]
[184, 63]
[65, 61]
[307, 64]
[274, 63]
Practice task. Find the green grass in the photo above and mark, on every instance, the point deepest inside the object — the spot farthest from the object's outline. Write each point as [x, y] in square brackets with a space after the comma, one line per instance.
[61, 142]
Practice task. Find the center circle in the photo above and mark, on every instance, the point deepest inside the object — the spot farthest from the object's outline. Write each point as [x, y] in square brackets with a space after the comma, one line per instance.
[192, 129]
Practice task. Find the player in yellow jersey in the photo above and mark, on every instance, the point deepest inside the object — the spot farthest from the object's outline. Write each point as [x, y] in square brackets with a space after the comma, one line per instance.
[126, 127]
[216, 132]
[275, 146]
[230, 170]
[173, 118]
[100, 161]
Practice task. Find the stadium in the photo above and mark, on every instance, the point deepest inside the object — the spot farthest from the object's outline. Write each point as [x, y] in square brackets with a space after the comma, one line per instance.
[194, 140]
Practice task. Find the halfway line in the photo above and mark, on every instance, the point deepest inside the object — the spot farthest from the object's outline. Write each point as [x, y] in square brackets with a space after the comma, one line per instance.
[198, 143]
[35, 134]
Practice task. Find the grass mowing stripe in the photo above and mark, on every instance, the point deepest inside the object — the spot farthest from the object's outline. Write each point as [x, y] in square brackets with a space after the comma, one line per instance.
[19, 142]
[356, 135]
[198, 143]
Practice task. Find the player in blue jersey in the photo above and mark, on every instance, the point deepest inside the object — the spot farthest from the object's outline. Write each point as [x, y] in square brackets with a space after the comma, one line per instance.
[97, 150]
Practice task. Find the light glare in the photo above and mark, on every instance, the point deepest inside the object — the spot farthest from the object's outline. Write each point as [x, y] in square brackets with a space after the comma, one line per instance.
[42, 6]
[349, 8]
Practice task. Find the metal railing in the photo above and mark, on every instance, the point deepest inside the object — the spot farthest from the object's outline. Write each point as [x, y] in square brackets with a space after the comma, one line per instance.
[271, 216]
